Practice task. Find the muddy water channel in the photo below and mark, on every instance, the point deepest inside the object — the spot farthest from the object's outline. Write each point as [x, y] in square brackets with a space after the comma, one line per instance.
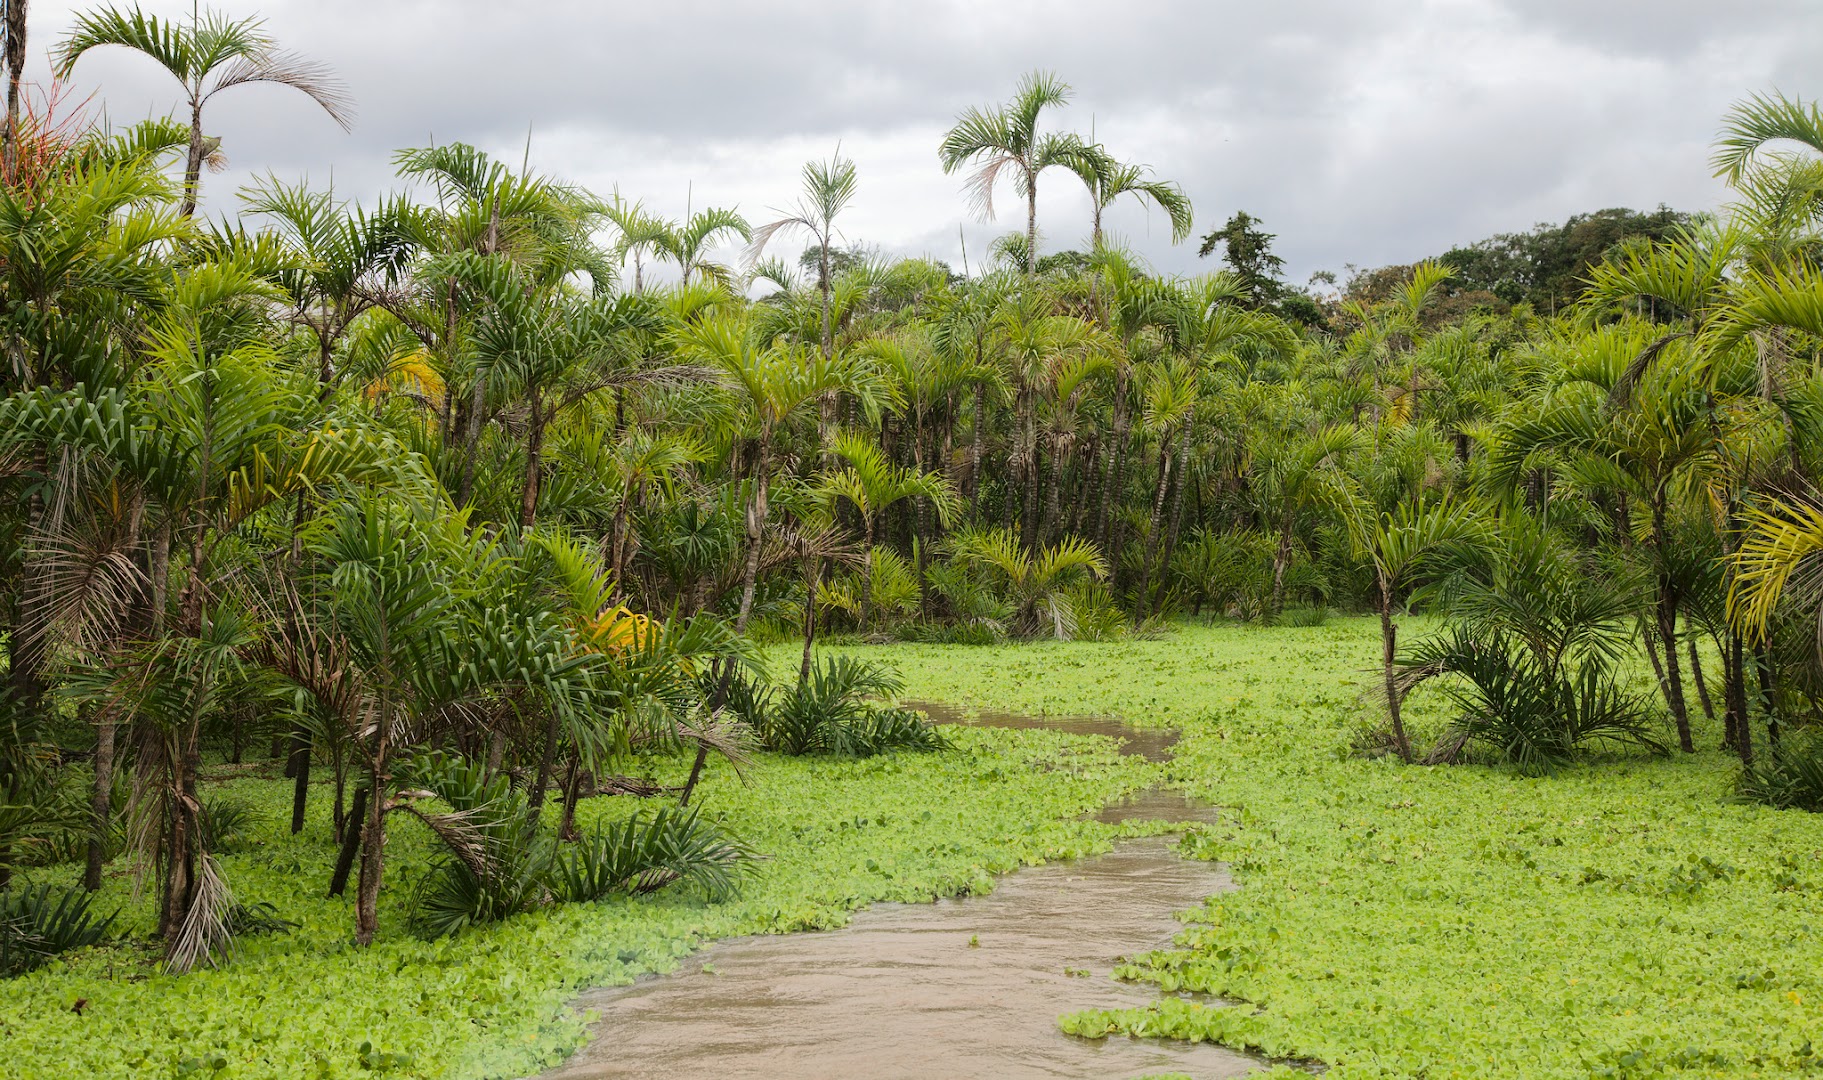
[969, 987]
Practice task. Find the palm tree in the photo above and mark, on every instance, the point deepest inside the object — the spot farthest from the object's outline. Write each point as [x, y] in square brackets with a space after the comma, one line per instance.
[1008, 138]
[211, 54]
[1401, 543]
[688, 244]
[1295, 476]
[1763, 119]
[1035, 584]
[1108, 179]
[870, 483]
[829, 186]
[1654, 429]
[769, 383]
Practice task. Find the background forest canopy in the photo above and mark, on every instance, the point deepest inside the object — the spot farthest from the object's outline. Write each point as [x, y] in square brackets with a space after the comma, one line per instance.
[453, 497]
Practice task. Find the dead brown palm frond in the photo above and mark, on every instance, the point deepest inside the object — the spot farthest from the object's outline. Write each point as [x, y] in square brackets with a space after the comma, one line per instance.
[980, 185]
[86, 582]
[718, 732]
[286, 68]
[464, 831]
[205, 935]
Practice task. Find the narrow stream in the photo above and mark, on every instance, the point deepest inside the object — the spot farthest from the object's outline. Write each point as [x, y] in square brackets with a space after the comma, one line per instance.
[967, 987]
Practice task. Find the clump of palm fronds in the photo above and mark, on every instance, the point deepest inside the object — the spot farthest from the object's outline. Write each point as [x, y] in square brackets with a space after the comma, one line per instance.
[496, 857]
[645, 853]
[500, 861]
[1788, 776]
[38, 923]
[228, 825]
[1026, 594]
[831, 713]
[1531, 714]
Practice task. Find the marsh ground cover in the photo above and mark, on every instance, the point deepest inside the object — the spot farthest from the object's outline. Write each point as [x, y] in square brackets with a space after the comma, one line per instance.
[837, 835]
[1619, 918]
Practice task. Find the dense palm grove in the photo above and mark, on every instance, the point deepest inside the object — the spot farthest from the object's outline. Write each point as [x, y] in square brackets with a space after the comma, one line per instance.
[471, 498]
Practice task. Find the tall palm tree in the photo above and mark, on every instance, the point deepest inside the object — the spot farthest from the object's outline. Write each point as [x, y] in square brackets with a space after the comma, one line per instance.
[210, 54]
[1108, 179]
[1401, 543]
[770, 383]
[829, 186]
[1007, 138]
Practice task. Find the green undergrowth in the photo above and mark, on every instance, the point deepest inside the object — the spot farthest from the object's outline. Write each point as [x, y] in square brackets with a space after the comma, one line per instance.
[1621, 918]
[837, 835]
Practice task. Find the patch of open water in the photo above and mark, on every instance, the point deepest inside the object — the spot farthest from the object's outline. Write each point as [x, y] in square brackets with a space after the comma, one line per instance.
[966, 987]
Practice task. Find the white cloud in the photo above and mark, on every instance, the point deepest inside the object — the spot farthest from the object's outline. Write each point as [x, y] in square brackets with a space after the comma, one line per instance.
[1363, 132]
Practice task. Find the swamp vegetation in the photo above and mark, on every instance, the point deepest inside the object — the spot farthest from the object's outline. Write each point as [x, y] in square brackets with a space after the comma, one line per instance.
[414, 614]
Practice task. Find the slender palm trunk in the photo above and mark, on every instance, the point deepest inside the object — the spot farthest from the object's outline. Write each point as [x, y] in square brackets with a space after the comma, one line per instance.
[373, 847]
[1389, 651]
[1281, 559]
[1734, 691]
[472, 440]
[1031, 224]
[193, 163]
[15, 67]
[1667, 631]
[534, 454]
[1696, 676]
[813, 570]
[1158, 510]
[1115, 484]
[756, 528]
[1179, 482]
[351, 845]
[101, 810]
[867, 568]
[972, 484]
[1053, 496]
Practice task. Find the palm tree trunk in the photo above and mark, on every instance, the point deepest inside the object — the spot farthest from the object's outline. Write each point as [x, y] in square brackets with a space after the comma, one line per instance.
[1158, 509]
[472, 439]
[534, 451]
[101, 810]
[1734, 692]
[1281, 559]
[299, 768]
[813, 570]
[1031, 223]
[867, 568]
[1115, 484]
[972, 484]
[373, 846]
[1696, 676]
[1053, 496]
[1389, 641]
[756, 526]
[351, 845]
[193, 163]
[1180, 481]
[15, 67]
[1667, 631]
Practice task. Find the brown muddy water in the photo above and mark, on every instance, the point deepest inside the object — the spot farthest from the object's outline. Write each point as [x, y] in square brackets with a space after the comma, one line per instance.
[967, 987]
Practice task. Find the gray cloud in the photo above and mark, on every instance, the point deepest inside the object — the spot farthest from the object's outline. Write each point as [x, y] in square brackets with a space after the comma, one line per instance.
[1365, 133]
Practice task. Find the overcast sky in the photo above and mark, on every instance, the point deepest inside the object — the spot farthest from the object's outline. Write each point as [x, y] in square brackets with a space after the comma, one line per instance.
[1360, 131]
